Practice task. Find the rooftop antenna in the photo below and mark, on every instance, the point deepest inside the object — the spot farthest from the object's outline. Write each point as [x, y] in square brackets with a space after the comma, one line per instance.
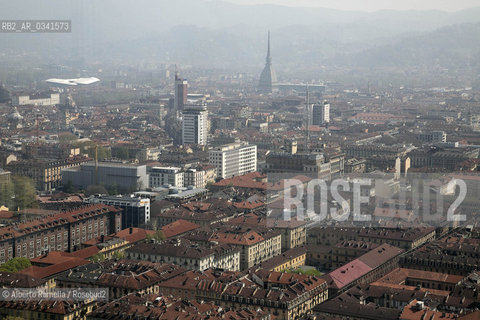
[269, 58]
[96, 164]
[37, 127]
[307, 118]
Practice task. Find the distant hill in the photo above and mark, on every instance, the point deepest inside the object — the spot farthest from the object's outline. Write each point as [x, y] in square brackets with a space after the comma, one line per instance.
[453, 46]
[221, 34]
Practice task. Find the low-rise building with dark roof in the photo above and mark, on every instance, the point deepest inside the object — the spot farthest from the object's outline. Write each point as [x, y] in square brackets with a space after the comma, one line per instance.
[153, 306]
[46, 309]
[451, 255]
[19, 280]
[349, 307]
[405, 238]
[188, 254]
[202, 213]
[62, 231]
[283, 295]
[121, 277]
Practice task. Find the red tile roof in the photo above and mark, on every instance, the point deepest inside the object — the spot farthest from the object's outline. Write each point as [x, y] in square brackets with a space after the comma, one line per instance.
[133, 235]
[346, 274]
[248, 181]
[86, 253]
[178, 227]
[248, 238]
[412, 312]
[45, 272]
[249, 204]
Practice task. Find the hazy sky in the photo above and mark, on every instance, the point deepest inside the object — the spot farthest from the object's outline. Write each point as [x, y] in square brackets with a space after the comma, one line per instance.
[373, 5]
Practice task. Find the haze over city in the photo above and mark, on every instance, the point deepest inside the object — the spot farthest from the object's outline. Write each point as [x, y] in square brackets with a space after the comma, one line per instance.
[371, 5]
[239, 159]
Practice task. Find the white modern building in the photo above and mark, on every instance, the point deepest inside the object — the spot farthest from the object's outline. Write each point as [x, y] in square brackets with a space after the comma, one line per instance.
[40, 99]
[194, 177]
[321, 114]
[161, 176]
[195, 125]
[234, 159]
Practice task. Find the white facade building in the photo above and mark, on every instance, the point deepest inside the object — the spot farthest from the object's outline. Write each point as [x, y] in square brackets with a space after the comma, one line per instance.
[160, 176]
[234, 159]
[194, 177]
[321, 114]
[195, 125]
[41, 99]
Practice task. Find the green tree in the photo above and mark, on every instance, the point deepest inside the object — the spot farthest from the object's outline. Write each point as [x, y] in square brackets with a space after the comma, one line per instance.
[209, 185]
[118, 255]
[99, 257]
[25, 192]
[15, 265]
[113, 189]
[157, 236]
[68, 187]
[67, 138]
[104, 153]
[120, 153]
[88, 147]
[6, 194]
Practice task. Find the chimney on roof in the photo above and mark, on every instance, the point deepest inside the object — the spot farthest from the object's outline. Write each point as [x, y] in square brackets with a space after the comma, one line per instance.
[102, 238]
[130, 230]
[420, 305]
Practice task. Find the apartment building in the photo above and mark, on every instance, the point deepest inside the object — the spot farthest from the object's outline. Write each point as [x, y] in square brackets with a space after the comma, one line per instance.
[135, 210]
[234, 159]
[58, 232]
[195, 125]
[47, 174]
[38, 99]
[256, 244]
[187, 254]
[293, 232]
[121, 277]
[161, 176]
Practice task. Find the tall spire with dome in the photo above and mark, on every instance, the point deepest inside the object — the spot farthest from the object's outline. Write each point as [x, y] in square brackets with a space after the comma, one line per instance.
[268, 79]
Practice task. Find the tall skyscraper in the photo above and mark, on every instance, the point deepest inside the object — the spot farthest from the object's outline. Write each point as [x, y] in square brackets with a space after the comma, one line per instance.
[195, 124]
[321, 114]
[181, 91]
[268, 79]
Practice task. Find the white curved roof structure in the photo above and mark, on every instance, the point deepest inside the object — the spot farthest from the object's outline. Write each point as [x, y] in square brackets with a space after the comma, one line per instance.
[73, 82]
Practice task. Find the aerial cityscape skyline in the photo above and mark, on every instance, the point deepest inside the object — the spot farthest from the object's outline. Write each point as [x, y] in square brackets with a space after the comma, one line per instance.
[208, 160]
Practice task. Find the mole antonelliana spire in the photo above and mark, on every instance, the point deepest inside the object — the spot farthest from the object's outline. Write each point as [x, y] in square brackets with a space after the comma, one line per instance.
[268, 79]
